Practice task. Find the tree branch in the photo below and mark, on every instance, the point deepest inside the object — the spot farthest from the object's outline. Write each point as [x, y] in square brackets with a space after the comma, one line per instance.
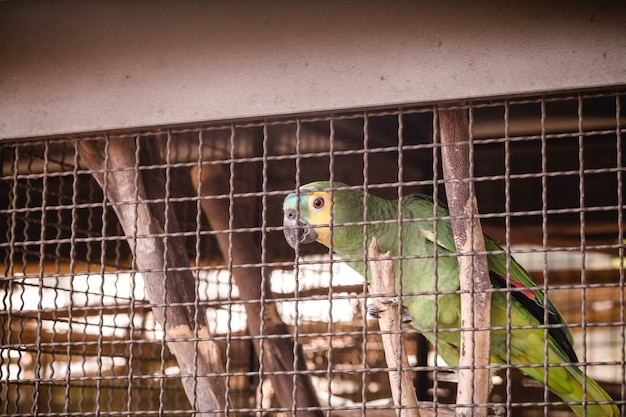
[161, 261]
[473, 387]
[262, 314]
[400, 379]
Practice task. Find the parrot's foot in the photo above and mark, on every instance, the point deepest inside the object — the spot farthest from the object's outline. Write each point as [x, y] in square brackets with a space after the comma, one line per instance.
[374, 311]
[499, 411]
[406, 316]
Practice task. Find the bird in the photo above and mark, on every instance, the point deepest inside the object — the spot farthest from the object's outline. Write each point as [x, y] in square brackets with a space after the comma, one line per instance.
[345, 219]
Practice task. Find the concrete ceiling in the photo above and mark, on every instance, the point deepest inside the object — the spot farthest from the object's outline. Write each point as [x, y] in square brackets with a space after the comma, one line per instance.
[73, 67]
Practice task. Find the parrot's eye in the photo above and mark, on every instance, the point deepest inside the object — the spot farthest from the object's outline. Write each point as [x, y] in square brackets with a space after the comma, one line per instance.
[318, 203]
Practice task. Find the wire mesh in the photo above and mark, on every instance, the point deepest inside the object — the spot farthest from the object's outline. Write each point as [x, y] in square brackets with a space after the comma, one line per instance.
[87, 328]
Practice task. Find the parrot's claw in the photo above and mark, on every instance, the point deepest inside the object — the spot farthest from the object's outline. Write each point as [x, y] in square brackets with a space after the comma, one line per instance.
[499, 411]
[391, 301]
[406, 316]
[374, 311]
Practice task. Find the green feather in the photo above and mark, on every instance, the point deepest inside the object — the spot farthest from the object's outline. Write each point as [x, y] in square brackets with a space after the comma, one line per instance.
[424, 274]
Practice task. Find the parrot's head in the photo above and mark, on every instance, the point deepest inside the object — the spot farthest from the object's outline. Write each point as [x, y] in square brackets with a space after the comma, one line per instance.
[308, 214]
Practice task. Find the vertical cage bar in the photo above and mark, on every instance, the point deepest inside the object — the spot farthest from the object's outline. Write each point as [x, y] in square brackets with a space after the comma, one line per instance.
[229, 266]
[101, 273]
[620, 237]
[364, 363]
[436, 140]
[331, 179]
[507, 249]
[10, 269]
[164, 263]
[38, 370]
[583, 244]
[297, 270]
[544, 245]
[72, 272]
[134, 265]
[264, 270]
[197, 264]
[399, 270]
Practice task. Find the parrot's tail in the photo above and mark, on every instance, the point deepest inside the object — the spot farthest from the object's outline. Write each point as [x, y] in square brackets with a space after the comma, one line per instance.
[567, 383]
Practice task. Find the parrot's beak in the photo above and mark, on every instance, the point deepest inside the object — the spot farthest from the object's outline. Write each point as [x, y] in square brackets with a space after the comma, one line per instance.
[297, 229]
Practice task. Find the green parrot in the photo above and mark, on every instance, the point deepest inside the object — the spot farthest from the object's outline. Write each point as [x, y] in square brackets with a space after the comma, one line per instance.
[309, 214]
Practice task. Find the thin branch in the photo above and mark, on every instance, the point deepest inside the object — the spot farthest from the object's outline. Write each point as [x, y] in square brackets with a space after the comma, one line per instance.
[473, 387]
[400, 378]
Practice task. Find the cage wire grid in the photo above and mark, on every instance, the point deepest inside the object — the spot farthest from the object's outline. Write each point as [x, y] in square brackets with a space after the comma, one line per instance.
[86, 330]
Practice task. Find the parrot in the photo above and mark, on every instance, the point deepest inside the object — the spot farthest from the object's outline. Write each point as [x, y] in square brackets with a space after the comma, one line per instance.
[333, 214]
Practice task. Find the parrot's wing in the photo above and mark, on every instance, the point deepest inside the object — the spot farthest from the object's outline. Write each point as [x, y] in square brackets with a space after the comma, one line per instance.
[560, 337]
[530, 297]
[519, 278]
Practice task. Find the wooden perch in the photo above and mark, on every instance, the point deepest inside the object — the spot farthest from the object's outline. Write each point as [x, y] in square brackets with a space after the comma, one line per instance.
[473, 387]
[400, 379]
[262, 315]
[162, 262]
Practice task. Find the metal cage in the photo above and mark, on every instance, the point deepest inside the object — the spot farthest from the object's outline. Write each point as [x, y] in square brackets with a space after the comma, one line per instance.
[146, 272]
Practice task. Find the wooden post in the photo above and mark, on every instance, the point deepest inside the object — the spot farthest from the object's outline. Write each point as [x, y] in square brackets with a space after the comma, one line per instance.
[400, 378]
[163, 264]
[473, 387]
